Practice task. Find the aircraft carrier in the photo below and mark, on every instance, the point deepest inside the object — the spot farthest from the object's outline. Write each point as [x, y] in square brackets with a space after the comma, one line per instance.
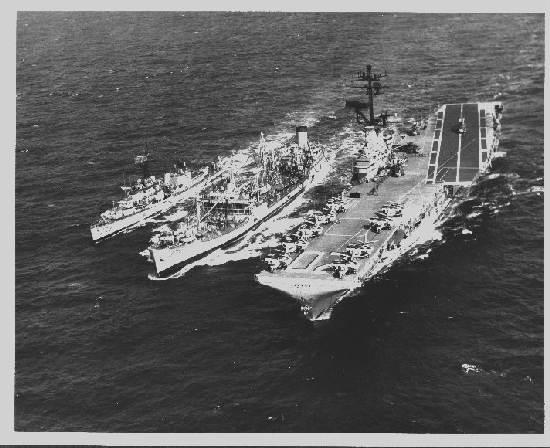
[385, 219]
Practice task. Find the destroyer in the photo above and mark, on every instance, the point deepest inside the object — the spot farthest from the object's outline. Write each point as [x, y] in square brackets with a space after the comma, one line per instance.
[396, 199]
[227, 211]
[150, 196]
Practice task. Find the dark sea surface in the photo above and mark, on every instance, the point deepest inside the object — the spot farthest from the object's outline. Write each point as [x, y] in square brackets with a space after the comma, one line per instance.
[102, 347]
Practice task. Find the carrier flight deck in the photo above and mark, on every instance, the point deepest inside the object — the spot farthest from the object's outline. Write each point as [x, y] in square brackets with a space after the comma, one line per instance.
[457, 144]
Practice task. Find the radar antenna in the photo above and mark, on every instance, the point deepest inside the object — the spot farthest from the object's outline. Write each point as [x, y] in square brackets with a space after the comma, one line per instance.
[372, 88]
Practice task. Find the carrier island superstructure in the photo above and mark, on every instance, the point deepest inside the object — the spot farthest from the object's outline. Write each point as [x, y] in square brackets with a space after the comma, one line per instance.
[386, 216]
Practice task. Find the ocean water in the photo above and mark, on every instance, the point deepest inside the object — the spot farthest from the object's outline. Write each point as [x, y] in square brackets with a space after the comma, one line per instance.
[450, 341]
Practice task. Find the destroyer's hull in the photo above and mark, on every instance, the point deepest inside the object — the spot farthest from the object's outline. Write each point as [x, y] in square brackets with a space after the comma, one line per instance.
[106, 230]
[451, 161]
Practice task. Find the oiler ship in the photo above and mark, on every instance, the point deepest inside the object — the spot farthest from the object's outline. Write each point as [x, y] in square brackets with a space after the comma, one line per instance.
[402, 184]
[228, 210]
[150, 196]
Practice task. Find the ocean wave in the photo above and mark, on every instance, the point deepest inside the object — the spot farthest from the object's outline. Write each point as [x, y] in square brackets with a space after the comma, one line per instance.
[107, 361]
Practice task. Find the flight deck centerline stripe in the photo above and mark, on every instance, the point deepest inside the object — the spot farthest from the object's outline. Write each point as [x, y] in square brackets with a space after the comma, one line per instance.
[332, 225]
[459, 145]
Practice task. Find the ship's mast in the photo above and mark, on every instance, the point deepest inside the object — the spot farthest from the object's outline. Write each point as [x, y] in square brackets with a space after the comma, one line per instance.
[370, 92]
[372, 88]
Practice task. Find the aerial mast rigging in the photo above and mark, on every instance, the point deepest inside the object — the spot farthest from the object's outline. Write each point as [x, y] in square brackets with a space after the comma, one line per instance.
[372, 88]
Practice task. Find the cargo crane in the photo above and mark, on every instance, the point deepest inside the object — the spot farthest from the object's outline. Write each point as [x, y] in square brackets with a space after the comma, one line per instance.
[372, 88]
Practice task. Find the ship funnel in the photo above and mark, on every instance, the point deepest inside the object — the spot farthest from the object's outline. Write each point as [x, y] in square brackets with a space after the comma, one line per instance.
[301, 135]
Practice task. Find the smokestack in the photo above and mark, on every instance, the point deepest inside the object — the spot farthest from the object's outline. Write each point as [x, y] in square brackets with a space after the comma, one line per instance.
[301, 135]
